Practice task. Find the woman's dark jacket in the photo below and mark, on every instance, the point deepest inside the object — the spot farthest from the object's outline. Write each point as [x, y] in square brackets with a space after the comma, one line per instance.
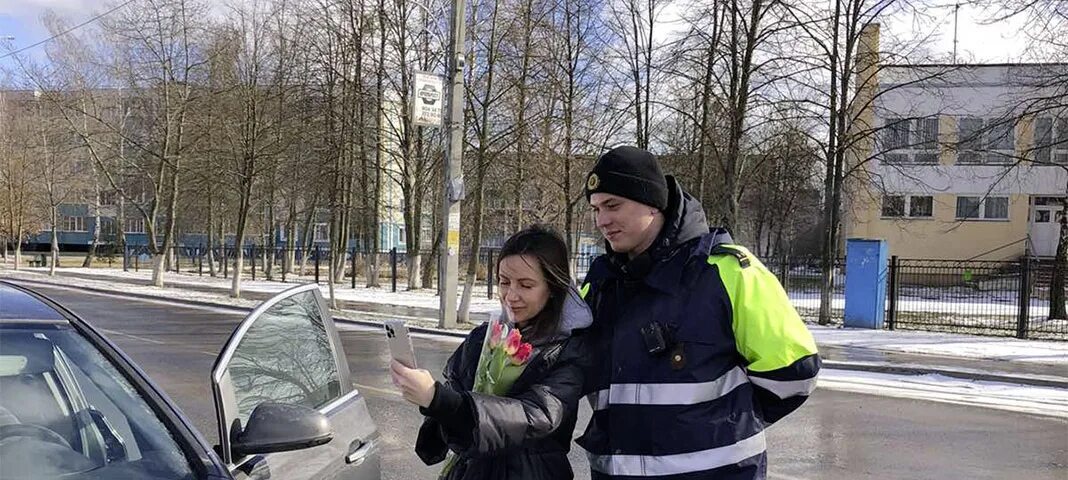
[524, 435]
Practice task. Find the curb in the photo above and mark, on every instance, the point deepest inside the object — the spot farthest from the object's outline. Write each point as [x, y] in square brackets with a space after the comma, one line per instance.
[142, 296]
[912, 369]
[201, 303]
[895, 369]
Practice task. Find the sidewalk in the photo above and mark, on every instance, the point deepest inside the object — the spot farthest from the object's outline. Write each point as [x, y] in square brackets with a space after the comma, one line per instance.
[995, 359]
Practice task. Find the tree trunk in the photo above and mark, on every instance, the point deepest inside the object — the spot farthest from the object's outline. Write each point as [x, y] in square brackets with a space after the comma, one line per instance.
[120, 227]
[55, 241]
[157, 270]
[289, 256]
[95, 241]
[243, 207]
[239, 264]
[211, 237]
[476, 241]
[432, 265]
[307, 235]
[415, 272]
[271, 245]
[18, 247]
[827, 247]
[1057, 309]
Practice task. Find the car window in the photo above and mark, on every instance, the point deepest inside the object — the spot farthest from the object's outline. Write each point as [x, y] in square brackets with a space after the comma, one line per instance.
[66, 411]
[285, 357]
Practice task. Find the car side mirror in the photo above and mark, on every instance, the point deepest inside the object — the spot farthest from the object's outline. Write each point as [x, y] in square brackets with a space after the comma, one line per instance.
[279, 427]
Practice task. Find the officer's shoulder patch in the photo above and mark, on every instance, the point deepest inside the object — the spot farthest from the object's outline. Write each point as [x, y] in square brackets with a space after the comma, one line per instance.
[722, 249]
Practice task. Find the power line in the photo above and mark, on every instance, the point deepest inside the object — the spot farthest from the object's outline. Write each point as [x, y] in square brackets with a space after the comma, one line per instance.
[71, 29]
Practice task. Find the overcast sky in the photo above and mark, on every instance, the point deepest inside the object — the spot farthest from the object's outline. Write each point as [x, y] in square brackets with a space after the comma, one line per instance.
[978, 43]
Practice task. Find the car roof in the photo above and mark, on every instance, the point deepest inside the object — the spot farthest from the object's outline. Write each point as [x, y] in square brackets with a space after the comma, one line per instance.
[21, 306]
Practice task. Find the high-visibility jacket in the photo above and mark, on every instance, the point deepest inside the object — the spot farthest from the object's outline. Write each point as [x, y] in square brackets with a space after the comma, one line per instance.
[737, 357]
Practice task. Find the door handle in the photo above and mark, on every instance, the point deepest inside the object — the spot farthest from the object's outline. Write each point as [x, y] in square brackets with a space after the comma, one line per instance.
[358, 451]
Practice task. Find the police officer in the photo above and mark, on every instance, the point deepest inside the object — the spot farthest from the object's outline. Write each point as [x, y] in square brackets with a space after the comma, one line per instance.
[697, 348]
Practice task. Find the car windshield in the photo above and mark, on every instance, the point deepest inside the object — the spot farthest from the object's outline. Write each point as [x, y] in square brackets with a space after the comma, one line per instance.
[66, 412]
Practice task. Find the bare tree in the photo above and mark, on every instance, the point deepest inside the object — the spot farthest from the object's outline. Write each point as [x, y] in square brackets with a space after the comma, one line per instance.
[256, 75]
[19, 208]
[484, 95]
[634, 23]
[1046, 25]
[842, 59]
[154, 48]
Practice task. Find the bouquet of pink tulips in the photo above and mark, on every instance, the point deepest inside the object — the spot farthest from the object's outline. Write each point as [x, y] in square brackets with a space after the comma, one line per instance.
[504, 357]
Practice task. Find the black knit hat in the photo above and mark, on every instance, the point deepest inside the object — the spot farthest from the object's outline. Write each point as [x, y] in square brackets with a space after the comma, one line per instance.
[632, 173]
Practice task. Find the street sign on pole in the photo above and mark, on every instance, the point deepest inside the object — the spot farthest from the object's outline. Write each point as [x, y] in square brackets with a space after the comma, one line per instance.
[428, 98]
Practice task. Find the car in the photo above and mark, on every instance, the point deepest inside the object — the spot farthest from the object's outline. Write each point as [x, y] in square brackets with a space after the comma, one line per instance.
[73, 406]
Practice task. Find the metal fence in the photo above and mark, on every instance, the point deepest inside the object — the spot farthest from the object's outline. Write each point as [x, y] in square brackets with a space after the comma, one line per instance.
[308, 264]
[975, 297]
[802, 277]
[1009, 298]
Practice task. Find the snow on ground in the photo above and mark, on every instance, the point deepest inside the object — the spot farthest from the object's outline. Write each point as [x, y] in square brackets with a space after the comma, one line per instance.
[1043, 401]
[966, 310]
[958, 306]
[421, 298]
[1027, 399]
[929, 343]
[945, 344]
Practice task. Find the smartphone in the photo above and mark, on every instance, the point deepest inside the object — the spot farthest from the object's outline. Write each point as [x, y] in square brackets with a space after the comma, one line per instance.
[400, 342]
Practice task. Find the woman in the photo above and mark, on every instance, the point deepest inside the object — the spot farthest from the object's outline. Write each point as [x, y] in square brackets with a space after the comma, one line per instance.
[525, 434]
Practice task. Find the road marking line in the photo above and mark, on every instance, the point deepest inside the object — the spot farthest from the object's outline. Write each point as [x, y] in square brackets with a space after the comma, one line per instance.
[157, 342]
[135, 337]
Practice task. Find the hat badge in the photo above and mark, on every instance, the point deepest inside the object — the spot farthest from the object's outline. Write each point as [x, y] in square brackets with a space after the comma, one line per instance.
[593, 182]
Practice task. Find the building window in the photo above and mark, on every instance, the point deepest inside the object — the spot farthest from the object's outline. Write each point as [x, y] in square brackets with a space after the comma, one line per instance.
[1051, 140]
[108, 198]
[897, 133]
[135, 225]
[968, 207]
[72, 224]
[893, 206]
[911, 140]
[921, 206]
[320, 232]
[908, 206]
[108, 227]
[976, 208]
[991, 140]
[996, 208]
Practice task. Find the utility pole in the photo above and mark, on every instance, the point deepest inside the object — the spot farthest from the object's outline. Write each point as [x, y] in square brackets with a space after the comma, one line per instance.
[454, 186]
[956, 9]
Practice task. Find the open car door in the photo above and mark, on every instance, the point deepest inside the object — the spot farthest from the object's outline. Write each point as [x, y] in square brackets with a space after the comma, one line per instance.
[285, 399]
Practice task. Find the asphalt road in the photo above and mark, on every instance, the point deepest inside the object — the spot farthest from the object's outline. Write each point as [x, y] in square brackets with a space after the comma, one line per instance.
[836, 435]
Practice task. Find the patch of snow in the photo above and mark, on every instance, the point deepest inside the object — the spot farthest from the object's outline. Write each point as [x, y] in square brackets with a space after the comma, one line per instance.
[930, 343]
[944, 344]
[427, 298]
[1045, 401]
